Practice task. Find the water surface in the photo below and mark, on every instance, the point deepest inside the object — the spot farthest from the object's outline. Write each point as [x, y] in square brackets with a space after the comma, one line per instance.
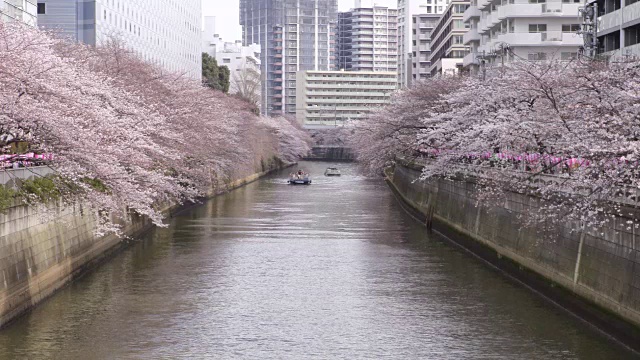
[334, 270]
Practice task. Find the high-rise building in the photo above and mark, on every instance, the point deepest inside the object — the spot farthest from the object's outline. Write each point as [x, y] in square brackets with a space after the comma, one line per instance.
[295, 35]
[408, 39]
[164, 32]
[19, 10]
[447, 47]
[243, 61]
[521, 29]
[619, 28]
[331, 98]
[368, 39]
[423, 25]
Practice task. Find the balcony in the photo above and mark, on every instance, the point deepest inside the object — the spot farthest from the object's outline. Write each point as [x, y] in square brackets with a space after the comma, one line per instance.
[555, 38]
[470, 59]
[471, 35]
[525, 9]
[470, 13]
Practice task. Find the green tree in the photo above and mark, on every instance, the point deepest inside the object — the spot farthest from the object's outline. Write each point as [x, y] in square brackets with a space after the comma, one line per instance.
[214, 76]
[224, 78]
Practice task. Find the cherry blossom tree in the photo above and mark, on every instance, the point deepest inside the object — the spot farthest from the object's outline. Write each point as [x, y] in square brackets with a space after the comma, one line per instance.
[532, 120]
[127, 136]
[392, 130]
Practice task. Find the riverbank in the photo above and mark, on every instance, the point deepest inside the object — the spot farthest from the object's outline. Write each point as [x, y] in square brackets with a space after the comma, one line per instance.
[39, 255]
[593, 274]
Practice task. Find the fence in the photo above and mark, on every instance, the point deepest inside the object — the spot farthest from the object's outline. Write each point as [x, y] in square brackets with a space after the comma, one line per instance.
[9, 176]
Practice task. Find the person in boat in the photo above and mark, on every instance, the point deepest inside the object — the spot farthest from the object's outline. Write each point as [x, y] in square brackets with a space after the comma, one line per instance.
[300, 174]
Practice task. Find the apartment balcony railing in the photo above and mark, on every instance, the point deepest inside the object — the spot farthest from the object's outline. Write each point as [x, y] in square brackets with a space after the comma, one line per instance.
[556, 38]
[471, 13]
[470, 59]
[471, 35]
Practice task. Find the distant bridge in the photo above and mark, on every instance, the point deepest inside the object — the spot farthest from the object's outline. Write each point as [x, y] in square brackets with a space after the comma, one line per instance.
[331, 153]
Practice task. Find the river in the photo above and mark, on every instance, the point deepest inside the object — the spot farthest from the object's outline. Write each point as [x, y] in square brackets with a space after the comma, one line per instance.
[334, 270]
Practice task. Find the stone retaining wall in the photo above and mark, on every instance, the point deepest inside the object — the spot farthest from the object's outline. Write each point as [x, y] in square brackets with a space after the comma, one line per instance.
[594, 273]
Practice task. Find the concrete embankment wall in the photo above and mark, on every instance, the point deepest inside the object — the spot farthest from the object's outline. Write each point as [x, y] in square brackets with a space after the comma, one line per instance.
[593, 273]
[41, 251]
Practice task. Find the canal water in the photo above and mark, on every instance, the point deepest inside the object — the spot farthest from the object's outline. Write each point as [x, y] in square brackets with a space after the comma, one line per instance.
[334, 270]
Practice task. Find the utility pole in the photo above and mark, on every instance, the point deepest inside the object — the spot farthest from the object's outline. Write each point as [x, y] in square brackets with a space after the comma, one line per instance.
[589, 14]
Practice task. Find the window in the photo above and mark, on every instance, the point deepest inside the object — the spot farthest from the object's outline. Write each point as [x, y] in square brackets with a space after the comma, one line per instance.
[226, 61]
[537, 28]
[537, 56]
[632, 35]
[570, 28]
[568, 56]
[42, 8]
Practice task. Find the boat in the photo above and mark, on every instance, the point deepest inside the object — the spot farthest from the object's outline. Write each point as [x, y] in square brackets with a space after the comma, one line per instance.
[299, 178]
[332, 172]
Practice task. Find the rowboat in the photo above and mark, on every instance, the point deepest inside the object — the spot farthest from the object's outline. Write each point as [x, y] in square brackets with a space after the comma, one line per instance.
[332, 172]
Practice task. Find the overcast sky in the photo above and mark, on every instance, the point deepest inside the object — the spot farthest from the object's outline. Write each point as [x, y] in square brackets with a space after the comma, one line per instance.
[227, 18]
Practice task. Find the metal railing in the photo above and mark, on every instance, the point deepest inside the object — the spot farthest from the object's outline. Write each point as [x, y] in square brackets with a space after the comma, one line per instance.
[9, 176]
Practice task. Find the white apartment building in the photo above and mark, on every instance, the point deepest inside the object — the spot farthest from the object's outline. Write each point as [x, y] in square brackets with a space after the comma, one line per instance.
[619, 28]
[368, 38]
[407, 39]
[243, 61]
[521, 29]
[331, 98]
[447, 48]
[18, 10]
[164, 32]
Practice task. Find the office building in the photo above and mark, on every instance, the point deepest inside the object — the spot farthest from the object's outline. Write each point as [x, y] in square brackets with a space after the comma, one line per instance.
[295, 35]
[521, 29]
[331, 98]
[368, 39]
[18, 10]
[447, 47]
[164, 32]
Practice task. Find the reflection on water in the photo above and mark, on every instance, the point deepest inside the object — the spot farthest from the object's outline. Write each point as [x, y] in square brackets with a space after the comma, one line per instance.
[273, 271]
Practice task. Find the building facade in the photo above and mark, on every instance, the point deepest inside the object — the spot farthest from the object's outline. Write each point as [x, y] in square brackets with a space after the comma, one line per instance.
[619, 28]
[295, 35]
[408, 39]
[19, 10]
[423, 26]
[521, 29]
[331, 98]
[368, 39]
[243, 61]
[447, 46]
[164, 32]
